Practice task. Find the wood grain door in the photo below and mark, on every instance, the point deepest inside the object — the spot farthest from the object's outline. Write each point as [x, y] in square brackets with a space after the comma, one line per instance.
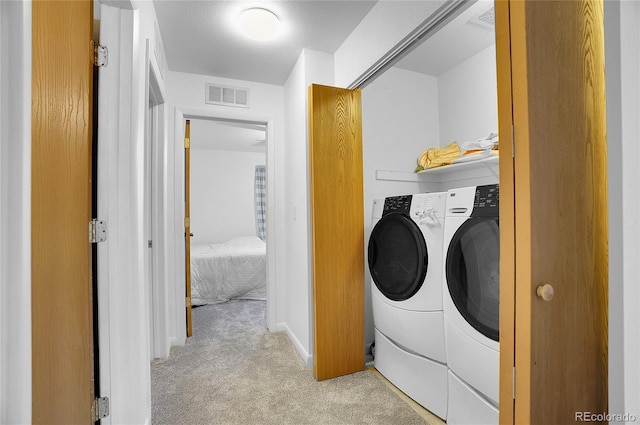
[62, 312]
[187, 223]
[552, 89]
[337, 230]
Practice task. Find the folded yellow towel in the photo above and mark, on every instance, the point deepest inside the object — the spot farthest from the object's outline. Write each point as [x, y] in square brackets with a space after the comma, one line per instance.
[437, 157]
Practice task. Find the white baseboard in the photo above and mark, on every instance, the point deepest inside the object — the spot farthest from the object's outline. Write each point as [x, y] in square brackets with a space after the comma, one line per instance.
[304, 355]
[174, 341]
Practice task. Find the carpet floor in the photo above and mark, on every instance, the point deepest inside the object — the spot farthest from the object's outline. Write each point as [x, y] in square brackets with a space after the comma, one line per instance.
[234, 371]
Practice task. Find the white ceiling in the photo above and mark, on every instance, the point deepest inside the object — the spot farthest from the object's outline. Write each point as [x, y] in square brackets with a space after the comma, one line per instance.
[198, 38]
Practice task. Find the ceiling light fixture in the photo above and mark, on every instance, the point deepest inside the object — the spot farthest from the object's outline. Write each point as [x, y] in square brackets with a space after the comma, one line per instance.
[259, 23]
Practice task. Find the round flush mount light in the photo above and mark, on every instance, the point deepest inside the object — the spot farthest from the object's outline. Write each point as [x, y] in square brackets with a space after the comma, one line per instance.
[259, 23]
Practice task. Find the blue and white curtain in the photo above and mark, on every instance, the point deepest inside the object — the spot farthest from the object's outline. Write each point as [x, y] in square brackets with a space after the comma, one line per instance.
[260, 190]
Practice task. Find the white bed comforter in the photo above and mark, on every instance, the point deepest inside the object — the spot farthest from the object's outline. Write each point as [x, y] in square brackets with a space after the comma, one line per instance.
[224, 271]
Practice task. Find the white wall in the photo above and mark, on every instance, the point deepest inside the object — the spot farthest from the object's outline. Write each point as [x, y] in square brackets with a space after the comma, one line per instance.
[186, 98]
[311, 67]
[468, 99]
[400, 119]
[15, 212]
[222, 194]
[622, 38]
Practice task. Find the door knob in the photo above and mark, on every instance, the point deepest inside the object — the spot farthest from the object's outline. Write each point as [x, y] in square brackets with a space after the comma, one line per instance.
[545, 292]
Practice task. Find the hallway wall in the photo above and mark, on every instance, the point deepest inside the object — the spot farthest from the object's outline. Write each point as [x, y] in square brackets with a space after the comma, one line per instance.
[185, 94]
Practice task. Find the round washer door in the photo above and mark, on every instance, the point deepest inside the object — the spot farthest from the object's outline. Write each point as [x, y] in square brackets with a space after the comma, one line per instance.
[473, 273]
[398, 257]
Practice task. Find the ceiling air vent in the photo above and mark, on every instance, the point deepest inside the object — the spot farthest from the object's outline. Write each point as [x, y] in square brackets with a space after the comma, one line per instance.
[226, 96]
[486, 18]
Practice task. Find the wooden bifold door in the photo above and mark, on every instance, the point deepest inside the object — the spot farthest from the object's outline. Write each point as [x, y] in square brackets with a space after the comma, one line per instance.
[553, 210]
[61, 270]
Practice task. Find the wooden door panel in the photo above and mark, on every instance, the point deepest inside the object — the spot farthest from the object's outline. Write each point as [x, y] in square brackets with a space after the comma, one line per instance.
[337, 230]
[62, 327]
[558, 97]
[568, 210]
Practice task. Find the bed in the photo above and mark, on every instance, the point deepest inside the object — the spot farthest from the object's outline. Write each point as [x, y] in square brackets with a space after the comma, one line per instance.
[235, 269]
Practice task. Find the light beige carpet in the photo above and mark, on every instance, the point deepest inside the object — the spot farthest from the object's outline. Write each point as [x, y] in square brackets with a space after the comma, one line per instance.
[233, 371]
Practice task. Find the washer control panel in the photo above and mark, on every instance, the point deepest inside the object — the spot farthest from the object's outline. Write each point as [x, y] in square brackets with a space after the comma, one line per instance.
[397, 204]
[428, 205]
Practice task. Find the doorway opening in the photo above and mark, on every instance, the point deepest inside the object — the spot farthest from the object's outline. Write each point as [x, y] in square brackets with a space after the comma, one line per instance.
[231, 249]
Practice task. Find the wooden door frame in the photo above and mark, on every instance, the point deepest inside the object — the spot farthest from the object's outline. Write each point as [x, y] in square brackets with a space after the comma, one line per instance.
[181, 114]
[507, 214]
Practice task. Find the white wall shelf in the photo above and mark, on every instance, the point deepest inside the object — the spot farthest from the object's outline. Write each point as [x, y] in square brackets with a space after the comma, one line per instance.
[485, 166]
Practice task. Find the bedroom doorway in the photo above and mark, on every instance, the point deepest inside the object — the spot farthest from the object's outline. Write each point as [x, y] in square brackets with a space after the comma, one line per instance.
[226, 180]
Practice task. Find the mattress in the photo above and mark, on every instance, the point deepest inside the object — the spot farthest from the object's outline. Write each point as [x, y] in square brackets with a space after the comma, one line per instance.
[235, 269]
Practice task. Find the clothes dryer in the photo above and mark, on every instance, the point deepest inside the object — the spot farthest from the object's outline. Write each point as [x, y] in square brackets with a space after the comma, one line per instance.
[406, 262]
[471, 303]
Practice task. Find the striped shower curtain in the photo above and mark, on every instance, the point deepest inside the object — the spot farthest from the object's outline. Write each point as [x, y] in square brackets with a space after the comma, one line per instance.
[260, 189]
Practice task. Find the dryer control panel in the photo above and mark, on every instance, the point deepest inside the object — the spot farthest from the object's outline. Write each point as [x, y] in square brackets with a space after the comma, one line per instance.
[487, 201]
[397, 204]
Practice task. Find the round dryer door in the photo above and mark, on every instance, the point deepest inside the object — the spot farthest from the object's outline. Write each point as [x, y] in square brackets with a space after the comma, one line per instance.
[398, 257]
[473, 273]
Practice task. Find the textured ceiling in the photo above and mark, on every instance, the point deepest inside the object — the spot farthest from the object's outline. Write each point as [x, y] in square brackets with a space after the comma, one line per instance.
[199, 36]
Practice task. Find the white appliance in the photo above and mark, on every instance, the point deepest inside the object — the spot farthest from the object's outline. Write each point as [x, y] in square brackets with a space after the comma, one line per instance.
[406, 263]
[471, 303]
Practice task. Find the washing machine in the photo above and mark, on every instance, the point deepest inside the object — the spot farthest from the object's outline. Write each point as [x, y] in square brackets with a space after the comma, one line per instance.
[406, 263]
[471, 303]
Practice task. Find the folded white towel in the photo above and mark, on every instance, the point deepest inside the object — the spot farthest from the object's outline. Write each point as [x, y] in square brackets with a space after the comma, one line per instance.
[487, 143]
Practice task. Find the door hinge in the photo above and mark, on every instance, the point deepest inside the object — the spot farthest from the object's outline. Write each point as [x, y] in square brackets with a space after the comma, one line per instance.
[187, 222]
[187, 302]
[100, 55]
[513, 383]
[100, 408]
[513, 141]
[97, 231]
[187, 143]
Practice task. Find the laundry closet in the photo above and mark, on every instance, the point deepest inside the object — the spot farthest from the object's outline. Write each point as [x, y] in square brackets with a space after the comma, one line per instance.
[444, 91]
